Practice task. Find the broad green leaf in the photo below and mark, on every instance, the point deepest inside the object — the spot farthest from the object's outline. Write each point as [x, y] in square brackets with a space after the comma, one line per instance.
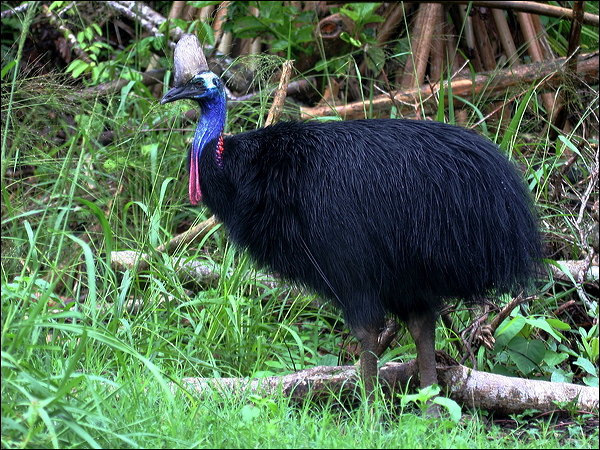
[544, 325]
[526, 354]
[586, 365]
[509, 329]
[451, 406]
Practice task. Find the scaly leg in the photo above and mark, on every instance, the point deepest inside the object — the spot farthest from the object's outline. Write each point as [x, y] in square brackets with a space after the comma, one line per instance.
[422, 330]
[368, 358]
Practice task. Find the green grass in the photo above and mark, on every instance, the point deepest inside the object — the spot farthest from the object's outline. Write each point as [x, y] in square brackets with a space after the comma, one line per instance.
[81, 369]
[132, 411]
[94, 374]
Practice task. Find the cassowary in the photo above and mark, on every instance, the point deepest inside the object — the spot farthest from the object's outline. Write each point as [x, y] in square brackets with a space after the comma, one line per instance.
[382, 217]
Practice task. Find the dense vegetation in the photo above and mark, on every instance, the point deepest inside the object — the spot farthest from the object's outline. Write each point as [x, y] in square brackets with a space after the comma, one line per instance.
[93, 353]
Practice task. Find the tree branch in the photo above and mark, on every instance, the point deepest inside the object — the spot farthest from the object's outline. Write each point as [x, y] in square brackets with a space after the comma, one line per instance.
[472, 388]
[492, 82]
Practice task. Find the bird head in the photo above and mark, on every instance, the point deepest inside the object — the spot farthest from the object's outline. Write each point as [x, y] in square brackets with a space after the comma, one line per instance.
[203, 85]
[194, 81]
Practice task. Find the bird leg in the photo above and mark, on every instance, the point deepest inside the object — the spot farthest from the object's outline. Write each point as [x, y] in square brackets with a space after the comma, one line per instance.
[368, 339]
[422, 329]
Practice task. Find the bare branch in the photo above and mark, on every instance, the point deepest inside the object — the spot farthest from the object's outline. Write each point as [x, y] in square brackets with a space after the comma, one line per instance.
[533, 7]
[496, 81]
[472, 388]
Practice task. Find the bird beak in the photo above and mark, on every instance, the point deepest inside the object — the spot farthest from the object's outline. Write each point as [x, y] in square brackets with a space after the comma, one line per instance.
[181, 92]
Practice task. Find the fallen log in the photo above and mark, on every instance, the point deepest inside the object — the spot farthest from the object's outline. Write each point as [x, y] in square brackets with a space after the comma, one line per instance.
[471, 388]
[569, 270]
[491, 82]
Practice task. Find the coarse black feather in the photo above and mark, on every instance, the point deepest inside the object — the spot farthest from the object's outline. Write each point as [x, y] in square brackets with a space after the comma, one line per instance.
[380, 216]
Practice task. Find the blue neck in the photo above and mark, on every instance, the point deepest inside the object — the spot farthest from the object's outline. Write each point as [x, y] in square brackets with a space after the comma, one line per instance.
[210, 126]
[213, 112]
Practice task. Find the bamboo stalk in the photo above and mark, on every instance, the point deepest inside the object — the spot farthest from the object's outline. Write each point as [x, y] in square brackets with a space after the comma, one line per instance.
[575, 32]
[257, 41]
[394, 16]
[206, 12]
[481, 29]
[505, 35]
[437, 53]
[542, 36]
[535, 52]
[177, 9]
[220, 19]
[189, 12]
[414, 72]
[561, 121]
[470, 39]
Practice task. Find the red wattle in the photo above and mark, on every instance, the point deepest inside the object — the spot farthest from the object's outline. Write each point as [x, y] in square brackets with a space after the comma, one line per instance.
[194, 187]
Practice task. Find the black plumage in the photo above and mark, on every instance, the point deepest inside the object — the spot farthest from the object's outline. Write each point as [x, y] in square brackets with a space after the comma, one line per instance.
[401, 213]
[383, 217]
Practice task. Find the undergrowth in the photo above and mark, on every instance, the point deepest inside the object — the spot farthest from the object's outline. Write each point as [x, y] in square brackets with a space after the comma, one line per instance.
[94, 357]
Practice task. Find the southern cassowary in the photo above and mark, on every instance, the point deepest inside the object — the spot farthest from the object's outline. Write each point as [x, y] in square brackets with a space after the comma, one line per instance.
[382, 217]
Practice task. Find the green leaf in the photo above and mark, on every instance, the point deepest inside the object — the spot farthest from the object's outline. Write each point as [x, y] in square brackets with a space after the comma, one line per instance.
[511, 131]
[344, 36]
[527, 355]
[77, 67]
[249, 413]
[586, 365]
[569, 144]
[593, 349]
[558, 324]
[90, 267]
[591, 381]
[106, 228]
[203, 4]
[451, 406]
[375, 59]
[558, 377]
[554, 358]
[248, 27]
[542, 324]
[421, 397]
[509, 329]
[6, 69]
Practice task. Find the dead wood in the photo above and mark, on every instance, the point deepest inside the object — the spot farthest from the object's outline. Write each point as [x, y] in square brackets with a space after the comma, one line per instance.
[574, 269]
[471, 388]
[534, 8]
[575, 32]
[330, 29]
[129, 260]
[505, 36]
[491, 82]
[535, 52]
[482, 25]
[561, 121]
[12, 11]
[280, 94]
[422, 36]
[393, 16]
[437, 55]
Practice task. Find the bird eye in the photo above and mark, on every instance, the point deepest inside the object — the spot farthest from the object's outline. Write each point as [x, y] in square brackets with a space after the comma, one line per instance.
[215, 81]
